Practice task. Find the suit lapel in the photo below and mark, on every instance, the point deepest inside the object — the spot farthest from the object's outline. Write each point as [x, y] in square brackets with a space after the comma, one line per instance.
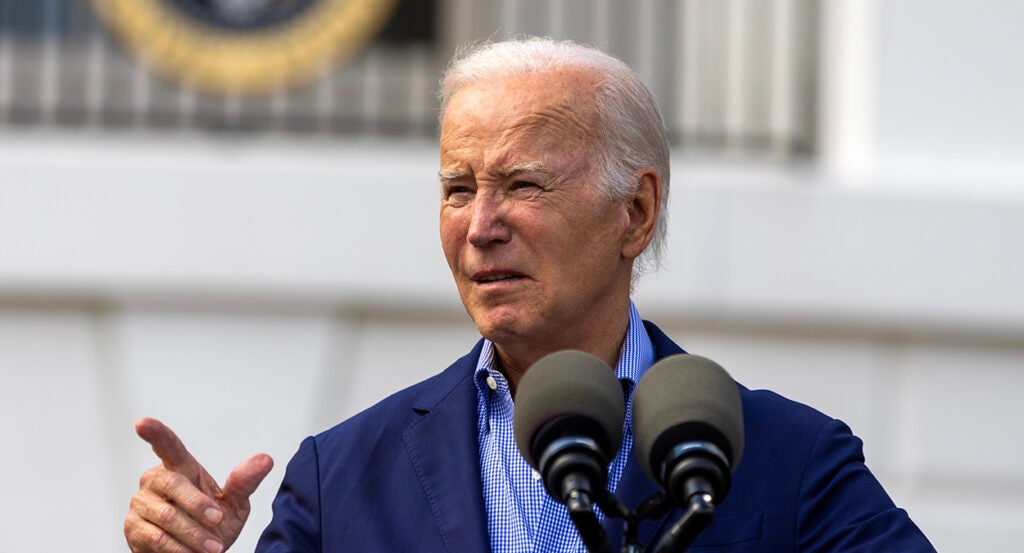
[442, 443]
[442, 446]
[663, 345]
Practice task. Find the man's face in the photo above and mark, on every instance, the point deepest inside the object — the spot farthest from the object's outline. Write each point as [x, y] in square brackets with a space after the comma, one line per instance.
[533, 242]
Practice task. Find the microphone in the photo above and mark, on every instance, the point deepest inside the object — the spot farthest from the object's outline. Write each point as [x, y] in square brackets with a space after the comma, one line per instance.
[688, 424]
[568, 420]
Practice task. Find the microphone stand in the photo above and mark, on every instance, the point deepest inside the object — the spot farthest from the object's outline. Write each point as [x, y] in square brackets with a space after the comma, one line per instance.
[581, 512]
[698, 515]
[654, 507]
[684, 531]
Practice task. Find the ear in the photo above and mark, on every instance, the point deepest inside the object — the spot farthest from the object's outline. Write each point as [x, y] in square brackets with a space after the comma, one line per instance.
[642, 211]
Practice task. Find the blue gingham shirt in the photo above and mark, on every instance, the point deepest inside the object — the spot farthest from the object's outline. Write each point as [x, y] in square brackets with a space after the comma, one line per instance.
[521, 517]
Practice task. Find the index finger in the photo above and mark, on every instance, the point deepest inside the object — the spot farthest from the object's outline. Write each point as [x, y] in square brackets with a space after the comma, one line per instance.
[165, 444]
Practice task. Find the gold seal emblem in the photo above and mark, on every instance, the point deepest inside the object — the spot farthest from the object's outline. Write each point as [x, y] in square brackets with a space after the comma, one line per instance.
[243, 46]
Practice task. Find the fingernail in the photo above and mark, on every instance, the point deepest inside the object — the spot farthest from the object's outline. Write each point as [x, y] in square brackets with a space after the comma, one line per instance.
[212, 515]
[213, 546]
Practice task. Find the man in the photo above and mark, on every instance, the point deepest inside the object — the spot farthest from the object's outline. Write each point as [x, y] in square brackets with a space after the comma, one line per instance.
[554, 179]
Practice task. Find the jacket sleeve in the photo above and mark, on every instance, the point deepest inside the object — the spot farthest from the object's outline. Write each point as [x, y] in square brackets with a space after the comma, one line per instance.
[295, 526]
[843, 508]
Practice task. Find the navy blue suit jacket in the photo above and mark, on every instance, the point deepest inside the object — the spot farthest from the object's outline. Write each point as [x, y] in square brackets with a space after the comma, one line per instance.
[404, 475]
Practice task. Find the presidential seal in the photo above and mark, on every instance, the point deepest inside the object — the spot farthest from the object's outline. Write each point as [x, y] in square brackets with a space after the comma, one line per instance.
[243, 47]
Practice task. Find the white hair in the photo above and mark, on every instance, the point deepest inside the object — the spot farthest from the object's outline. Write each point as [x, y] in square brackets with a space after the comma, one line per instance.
[630, 131]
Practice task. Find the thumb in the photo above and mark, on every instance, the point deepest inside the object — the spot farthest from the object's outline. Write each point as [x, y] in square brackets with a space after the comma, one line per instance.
[246, 477]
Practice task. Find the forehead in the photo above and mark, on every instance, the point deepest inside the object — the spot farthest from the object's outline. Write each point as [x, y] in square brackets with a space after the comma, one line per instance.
[557, 105]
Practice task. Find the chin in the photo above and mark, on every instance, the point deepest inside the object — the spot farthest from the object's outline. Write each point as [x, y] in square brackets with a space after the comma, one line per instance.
[499, 325]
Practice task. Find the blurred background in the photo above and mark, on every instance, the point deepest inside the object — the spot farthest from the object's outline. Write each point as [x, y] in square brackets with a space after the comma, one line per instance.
[252, 257]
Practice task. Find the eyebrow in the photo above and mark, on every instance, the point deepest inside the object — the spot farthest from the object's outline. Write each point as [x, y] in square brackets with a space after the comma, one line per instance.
[519, 169]
[452, 175]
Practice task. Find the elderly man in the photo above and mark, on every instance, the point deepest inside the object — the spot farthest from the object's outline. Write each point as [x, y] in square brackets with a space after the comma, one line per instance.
[554, 180]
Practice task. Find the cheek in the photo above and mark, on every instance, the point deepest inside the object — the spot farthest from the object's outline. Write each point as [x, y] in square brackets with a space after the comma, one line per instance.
[453, 235]
[597, 240]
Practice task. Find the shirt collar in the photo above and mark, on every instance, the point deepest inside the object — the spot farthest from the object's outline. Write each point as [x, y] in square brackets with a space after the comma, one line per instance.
[635, 357]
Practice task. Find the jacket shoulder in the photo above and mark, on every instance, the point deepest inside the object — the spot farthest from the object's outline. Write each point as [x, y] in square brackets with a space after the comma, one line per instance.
[395, 412]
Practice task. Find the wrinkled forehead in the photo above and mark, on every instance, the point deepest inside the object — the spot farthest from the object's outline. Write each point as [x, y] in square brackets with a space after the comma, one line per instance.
[557, 102]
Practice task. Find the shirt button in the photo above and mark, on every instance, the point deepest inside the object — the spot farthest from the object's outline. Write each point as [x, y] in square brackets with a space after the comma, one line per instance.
[536, 475]
[492, 383]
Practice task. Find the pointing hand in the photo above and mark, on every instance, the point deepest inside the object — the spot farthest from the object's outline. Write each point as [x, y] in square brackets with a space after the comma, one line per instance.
[179, 507]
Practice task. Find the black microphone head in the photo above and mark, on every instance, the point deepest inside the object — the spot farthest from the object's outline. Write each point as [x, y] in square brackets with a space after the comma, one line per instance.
[568, 393]
[686, 398]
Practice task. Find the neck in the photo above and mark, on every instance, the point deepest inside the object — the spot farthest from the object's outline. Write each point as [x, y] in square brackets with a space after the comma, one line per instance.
[605, 343]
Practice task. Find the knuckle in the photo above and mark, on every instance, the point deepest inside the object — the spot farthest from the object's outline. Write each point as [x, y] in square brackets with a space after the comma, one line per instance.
[159, 539]
[165, 514]
[166, 481]
[147, 477]
[137, 504]
[147, 536]
[132, 536]
[159, 478]
[196, 502]
[151, 539]
[165, 543]
[139, 544]
[190, 501]
[195, 535]
[134, 544]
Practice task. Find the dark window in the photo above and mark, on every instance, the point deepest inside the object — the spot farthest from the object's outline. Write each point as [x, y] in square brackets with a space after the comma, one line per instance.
[412, 22]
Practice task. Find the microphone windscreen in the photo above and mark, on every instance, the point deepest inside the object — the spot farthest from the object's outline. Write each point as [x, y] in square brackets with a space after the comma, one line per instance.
[571, 386]
[685, 398]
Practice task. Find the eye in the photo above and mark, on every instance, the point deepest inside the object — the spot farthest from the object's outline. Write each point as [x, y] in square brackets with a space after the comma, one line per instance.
[457, 194]
[524, 185]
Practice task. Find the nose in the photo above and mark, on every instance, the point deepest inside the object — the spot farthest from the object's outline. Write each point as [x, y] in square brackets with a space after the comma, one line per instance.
[488, 223]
